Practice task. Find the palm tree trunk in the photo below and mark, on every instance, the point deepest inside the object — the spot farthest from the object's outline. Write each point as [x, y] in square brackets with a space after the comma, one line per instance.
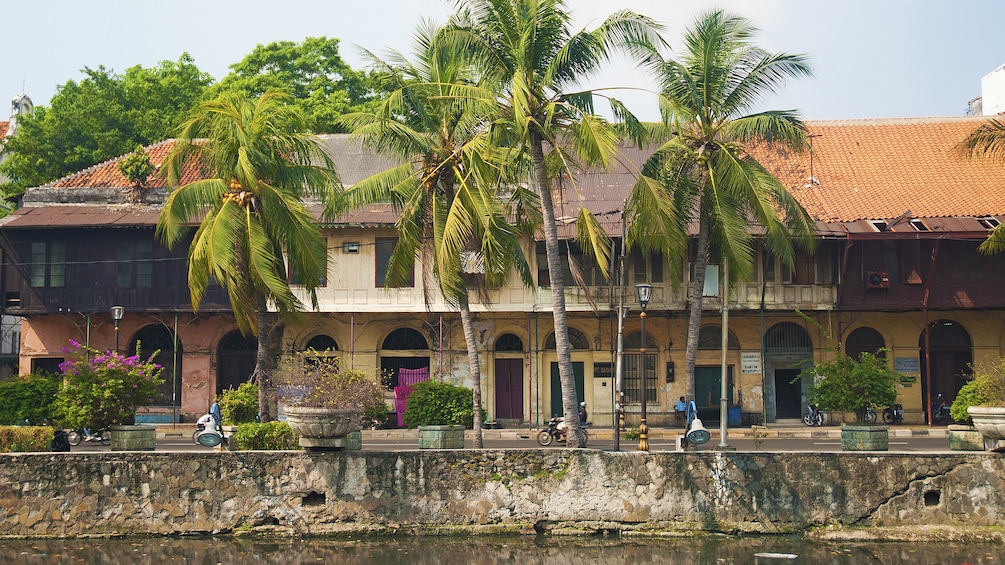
[261, 361]
[476, 374]
[694, 318]
[570, 406]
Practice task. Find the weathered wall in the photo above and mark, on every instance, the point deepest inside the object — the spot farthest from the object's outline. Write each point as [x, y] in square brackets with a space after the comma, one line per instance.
[161, 493]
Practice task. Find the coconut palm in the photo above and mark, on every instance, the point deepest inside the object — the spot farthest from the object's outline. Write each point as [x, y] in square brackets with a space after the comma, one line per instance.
[258, 163]
[445, 191]
[987, 141]
[531, 59]
[703, 175]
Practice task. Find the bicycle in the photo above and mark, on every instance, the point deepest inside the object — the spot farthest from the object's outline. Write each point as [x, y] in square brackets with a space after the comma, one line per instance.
[76, 436]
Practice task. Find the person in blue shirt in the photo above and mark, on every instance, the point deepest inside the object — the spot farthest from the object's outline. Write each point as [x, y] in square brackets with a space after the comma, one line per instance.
[679, 410]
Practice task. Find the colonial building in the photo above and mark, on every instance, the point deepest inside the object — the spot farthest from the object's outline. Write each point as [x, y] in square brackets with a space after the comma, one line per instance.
[896, 268]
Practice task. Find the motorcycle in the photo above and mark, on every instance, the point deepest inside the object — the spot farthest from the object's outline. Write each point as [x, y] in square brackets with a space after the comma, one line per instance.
[74, 437]
[551, 432]
[813, 416]
[893, 414]
[940, 411]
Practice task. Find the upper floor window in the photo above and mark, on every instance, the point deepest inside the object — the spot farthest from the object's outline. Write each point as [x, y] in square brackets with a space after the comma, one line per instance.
[48, 264]
[385, 247]
[134, 266]
[296, 278]
[571, 258]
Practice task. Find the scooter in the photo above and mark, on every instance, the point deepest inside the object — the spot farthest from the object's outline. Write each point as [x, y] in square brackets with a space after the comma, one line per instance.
[893, 414]
[940, 411]
[814, 417]
[550, 432]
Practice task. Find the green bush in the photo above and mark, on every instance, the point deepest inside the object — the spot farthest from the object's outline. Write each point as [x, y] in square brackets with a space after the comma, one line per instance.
[25, 438]
[433, 403]
[27, 398]
[240, 405]
[985, 388]
[269, 436]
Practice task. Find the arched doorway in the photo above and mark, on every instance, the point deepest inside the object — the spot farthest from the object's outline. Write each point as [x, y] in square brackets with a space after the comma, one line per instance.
[787, 349]
[509, 377]
[156, 337]
[235, 360]
[578, 341]
[404, 361]
[864, 340]
[950, 354]
[322, 342]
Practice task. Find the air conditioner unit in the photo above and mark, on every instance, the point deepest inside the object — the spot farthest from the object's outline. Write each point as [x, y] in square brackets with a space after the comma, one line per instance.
[877, 279]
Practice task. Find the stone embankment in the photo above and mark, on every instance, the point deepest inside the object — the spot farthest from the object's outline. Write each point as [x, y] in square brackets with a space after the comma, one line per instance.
[493, 490]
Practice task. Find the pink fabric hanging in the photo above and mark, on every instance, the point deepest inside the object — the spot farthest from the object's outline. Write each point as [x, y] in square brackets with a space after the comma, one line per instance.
[400, 399]
[410, 377]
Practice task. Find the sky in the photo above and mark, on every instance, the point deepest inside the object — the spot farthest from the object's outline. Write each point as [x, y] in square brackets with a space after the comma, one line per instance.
[870, 58]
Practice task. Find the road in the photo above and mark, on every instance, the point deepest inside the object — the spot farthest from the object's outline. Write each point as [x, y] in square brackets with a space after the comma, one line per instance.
[181, 442]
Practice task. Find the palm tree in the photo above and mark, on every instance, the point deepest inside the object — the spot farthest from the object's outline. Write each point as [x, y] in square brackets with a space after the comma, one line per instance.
[260, 163]
[704, 175]
[531, 58]
[987, 141]
[444, 190]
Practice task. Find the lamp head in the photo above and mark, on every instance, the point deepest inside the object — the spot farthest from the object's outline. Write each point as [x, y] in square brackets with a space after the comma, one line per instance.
[643, 292]
[118, 312]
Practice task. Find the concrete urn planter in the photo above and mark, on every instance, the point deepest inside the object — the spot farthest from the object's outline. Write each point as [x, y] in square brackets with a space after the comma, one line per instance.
[137, 437]
[990, 422]
[865, 438]
[965, 438]
[441, 437]
[323, 428]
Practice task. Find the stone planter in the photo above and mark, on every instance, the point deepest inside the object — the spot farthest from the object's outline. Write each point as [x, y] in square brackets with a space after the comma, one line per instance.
[138, 437]
[441, 437]
[354, 440]
[965, 438]
[865, 438]
[990, 422]
[323, 428]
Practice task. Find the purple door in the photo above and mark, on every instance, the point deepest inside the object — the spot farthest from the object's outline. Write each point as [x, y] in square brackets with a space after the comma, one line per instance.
[509, 389]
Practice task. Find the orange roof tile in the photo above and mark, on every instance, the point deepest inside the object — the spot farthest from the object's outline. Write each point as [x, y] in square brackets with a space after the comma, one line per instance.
[107, 174]
[879, 169]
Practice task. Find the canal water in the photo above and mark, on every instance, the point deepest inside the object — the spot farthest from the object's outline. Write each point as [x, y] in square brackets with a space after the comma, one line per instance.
[551, 550]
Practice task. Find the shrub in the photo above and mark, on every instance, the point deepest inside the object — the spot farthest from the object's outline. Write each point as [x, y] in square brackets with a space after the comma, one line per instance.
[986, 387]
[240, 405]
[27, 398]
[25, 438]
[848, 385]
[268, 436]
[311, 379]
[433, 403]
[102, 389]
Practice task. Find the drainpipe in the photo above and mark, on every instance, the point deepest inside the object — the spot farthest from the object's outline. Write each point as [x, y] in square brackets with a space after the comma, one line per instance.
[529, 362]
[441, 346]
[928, 354]
[724, 388]
[174, 376]
[352, 340]
[619, 360]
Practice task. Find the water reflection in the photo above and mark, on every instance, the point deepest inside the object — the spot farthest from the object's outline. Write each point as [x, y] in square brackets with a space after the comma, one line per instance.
[487, 551]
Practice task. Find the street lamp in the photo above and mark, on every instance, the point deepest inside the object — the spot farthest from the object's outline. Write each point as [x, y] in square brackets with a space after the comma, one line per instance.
[117, 313]
[643, 292]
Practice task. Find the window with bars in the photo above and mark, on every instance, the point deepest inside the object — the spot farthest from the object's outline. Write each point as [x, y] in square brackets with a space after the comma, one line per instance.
[633, 379]
[647, 268]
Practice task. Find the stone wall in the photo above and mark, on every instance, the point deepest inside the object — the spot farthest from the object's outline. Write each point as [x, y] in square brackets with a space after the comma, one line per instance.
[305, 493]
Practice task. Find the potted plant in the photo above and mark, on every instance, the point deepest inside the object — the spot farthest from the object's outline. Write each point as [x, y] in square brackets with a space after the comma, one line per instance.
[323, 402]
[101, 391]
[846, 385]
[441, 411]
[982, 401]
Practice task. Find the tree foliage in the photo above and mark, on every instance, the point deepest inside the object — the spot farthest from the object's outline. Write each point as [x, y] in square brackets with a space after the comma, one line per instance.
[99, 118]
[312, 72]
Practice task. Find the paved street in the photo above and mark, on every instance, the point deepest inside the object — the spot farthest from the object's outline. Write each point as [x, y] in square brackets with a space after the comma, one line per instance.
[772, 438]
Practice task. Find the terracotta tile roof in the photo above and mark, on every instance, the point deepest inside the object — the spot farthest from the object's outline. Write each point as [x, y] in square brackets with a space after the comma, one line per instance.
[879, 169]
[107, 174]
[4, 126]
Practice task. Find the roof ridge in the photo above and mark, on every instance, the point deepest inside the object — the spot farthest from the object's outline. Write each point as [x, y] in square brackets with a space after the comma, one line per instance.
[95, 166]
[897, 121]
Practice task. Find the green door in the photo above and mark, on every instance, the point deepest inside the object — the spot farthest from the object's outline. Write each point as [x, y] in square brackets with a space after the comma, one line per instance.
[708, 391]
[556, 386]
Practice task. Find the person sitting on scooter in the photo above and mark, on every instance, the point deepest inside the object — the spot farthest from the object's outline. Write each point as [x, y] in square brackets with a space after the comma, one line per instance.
[582, 413]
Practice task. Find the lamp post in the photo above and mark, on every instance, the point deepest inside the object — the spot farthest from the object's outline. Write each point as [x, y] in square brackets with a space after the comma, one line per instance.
[117, 313]
[643, 292]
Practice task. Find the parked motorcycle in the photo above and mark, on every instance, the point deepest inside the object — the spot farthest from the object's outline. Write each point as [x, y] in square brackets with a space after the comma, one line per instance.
[893, 414]
[74, 437]
[940, 411]
[813, 416]
[551, 432]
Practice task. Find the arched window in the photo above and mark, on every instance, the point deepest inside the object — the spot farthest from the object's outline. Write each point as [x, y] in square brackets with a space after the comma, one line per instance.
[787, 335]
[156, 337]
[862, 340]
[322, 342]
[710, 337]
[404, 338]
[577, 340]
[634, 341]
[236, 358]
[509, 342]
